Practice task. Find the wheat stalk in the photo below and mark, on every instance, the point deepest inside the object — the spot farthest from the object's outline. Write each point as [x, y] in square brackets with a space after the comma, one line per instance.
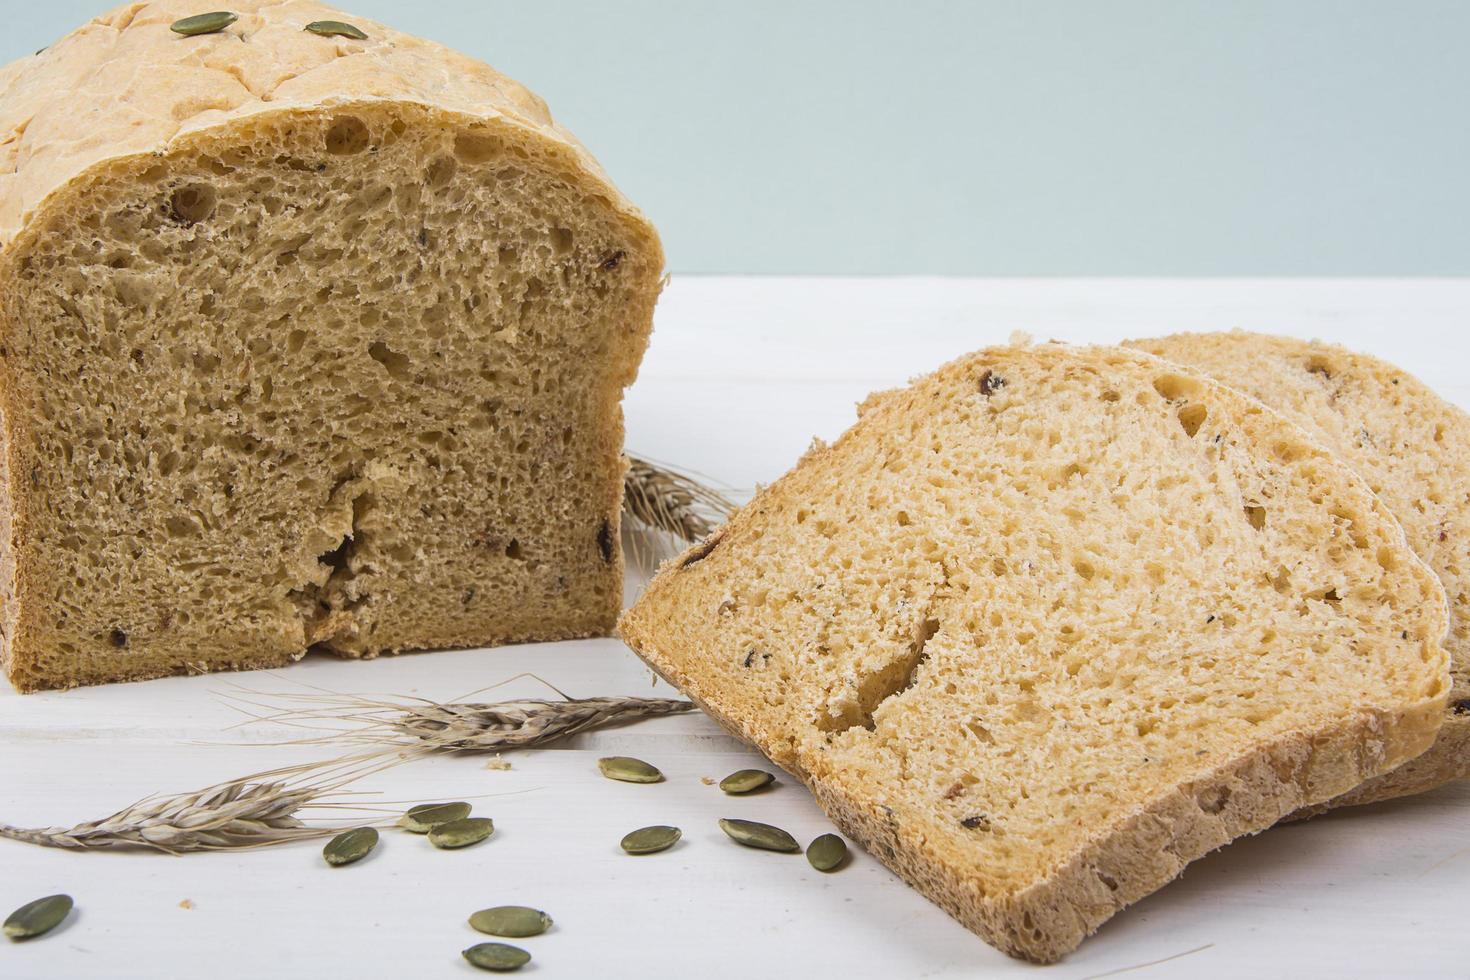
[667, 509]
[253, 811]
[465, 726]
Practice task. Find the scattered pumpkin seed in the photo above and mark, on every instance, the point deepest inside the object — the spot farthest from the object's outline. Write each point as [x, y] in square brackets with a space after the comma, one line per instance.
[351, 846]
[651, 840]
[827, 852]
[203, 23]
[335, 28]
[39, 917]
[511, 921]
[425, 817]
[761, 835]
[498, 957]
[746, 781]
[629, 770]
[461, 833]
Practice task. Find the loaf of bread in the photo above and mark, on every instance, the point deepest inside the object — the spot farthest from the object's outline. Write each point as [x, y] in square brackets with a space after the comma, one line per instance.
[306, 339]
[1411, 446]
[1053, 622]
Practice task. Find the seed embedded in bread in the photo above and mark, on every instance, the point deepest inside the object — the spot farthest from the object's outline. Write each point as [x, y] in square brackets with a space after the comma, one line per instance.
[1027, 645]
[308, 341]
[1410, 445]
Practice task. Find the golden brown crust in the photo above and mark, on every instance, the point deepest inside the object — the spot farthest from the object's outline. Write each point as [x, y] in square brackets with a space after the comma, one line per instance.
[125, 84]
[672, 629]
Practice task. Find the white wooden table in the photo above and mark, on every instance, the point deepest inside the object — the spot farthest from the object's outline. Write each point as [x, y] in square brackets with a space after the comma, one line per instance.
[741, 375]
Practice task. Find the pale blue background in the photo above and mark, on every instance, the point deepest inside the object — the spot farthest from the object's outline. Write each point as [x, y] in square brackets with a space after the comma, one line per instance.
[1176, 137]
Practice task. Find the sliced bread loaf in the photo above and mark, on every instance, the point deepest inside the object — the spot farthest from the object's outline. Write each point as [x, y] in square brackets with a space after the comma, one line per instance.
[1411, 446]
[1051, 623]
[305, 338]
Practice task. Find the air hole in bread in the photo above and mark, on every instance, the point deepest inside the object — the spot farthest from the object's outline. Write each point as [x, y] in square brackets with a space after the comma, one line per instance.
[476, 148]
[856, 709]
[397, 365]
[440, 172]
[1256, 515]
[1213, 799]
[1191, 417]
[702, 550]
[975, 728]
[1287, 452]
[1174, 387]
[192, 204]
[347, 136]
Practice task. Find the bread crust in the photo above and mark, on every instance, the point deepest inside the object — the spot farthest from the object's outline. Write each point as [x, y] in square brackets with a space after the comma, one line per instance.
[1119, 863]
[1303, 380]
[124, 91]
[124, 84]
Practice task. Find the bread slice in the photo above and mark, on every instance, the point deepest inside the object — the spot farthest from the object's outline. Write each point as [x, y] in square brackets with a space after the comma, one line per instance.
[304, 340]
[1411, 446]
[1051, 623]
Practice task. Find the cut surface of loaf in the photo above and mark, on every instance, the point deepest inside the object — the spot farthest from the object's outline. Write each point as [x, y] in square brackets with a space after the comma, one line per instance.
[304, 341]
[1052, 622]
[1410, 445]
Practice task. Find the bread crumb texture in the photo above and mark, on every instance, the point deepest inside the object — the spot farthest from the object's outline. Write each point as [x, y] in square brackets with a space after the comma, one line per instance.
[304, 341]
[1410, 445]
[1052, 622]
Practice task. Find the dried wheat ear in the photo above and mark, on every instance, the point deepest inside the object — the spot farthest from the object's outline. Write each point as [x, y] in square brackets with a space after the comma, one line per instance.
[253, 811]
[422, 725]
[665, 509]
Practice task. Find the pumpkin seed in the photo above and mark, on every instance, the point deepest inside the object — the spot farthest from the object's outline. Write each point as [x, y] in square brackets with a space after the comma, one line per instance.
[512, 921]
[425, 817]
[461, 833]
[203, 23]
[746, 781]
[629, 770]
[497, 957]
[826, 852]
[761, 835]
[651, 840]
[354, 845]
[335, 28]
[39, 917]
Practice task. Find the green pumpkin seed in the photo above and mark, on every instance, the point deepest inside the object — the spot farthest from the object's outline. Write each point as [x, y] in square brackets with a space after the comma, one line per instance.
[511, 921]
[39, 917]
[425, 817]
[335, 28]
[629, 770]
[746, 781]
[826, 852]
[354, 845]
[497, 957]
[761, 835]
[461, 833]
[203, 23]
[651, 840]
